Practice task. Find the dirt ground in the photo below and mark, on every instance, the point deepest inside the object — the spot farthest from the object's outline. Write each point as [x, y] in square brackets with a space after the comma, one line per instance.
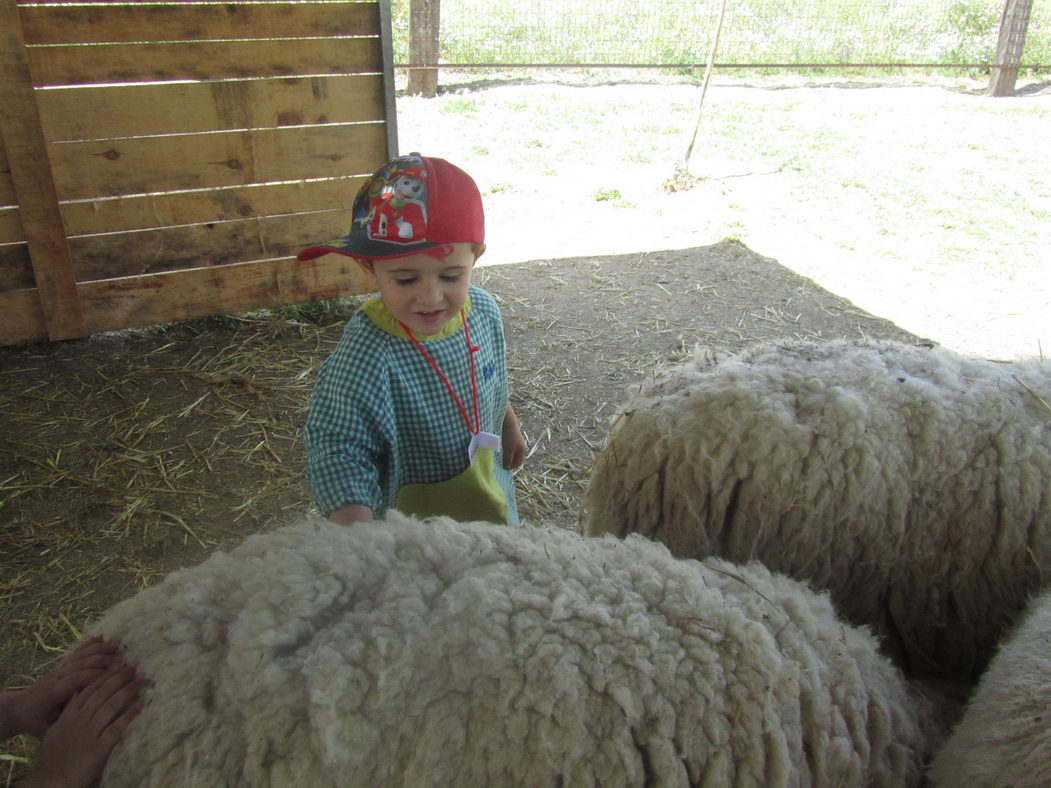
[125, 456]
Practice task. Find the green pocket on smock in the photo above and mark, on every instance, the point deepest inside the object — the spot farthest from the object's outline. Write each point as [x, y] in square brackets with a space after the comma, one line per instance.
[473, 495]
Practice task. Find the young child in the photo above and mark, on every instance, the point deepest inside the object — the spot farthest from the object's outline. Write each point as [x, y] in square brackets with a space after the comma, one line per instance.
[411, 411]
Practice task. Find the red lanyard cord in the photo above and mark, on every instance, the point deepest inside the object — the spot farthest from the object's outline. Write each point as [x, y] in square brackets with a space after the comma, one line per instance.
[471, 350]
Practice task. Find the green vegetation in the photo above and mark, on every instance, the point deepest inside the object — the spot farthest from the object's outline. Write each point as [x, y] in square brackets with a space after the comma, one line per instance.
[458, 106]
[678, 33]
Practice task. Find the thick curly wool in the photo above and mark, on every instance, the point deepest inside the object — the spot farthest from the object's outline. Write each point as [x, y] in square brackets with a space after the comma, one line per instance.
[1004, 737]
[445, 654]
[914, 484]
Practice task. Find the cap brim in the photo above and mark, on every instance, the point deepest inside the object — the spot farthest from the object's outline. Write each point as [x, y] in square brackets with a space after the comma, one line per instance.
[369, 250]
[317, 251]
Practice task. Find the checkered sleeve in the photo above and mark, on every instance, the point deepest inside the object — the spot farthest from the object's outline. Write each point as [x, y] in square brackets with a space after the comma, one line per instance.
[346, 427]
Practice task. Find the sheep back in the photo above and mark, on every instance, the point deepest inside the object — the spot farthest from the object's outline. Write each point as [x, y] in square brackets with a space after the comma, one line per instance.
[403, 653]
[913, 484]
[1004, 737]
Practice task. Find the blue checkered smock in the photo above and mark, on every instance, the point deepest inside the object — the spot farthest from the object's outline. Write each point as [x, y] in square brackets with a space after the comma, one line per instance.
[380, 417]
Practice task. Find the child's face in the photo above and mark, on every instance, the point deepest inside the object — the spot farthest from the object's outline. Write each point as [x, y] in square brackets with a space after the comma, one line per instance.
[422, 291]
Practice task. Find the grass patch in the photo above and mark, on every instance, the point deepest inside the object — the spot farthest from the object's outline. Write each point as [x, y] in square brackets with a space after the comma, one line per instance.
[677, 34]
[458, 106]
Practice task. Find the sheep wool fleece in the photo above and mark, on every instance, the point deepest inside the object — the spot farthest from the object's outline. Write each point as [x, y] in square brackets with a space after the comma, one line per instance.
[1004, 737]
[913, 484]
[437, 653]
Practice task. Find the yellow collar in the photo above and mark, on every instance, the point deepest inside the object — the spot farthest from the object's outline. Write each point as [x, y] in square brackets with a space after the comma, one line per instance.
[379, 314]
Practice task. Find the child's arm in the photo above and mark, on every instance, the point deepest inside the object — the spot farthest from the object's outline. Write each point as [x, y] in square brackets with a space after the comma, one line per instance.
[352, 513]
[514, 442]
[343, 442]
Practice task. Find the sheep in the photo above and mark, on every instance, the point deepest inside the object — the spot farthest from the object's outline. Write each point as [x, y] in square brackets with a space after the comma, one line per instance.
[1004, 737]
[440, 653]
[912, 483]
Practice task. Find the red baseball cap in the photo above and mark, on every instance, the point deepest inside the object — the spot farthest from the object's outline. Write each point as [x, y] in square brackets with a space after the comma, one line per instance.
[411, 204]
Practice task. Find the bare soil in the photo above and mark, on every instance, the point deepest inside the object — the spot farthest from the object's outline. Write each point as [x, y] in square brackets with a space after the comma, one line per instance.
[125, 456]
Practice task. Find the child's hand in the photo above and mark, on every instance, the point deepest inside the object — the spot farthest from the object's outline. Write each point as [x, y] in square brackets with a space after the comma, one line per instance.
[513, 441]
[39, 705]
[74, 750]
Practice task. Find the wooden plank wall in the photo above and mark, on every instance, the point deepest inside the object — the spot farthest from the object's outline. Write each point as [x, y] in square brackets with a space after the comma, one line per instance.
[188, 170]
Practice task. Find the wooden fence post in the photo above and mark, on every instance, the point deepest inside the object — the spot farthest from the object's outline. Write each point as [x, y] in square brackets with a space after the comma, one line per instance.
[423, 47]
[1013, 24]
[34, 184]
[387, 53]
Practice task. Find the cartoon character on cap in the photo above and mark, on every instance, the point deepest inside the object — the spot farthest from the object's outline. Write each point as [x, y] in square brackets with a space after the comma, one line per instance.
[399, 213]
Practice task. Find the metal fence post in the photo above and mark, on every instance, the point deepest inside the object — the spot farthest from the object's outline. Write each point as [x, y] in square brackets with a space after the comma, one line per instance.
[1013, 24]
[423, 47]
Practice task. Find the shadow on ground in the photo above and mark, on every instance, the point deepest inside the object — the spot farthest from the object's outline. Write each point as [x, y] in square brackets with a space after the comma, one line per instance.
[581, 331]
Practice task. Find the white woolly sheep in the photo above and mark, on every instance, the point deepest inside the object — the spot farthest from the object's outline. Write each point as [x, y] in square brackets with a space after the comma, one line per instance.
[439, 653]
[1004, 737]
[913, 484]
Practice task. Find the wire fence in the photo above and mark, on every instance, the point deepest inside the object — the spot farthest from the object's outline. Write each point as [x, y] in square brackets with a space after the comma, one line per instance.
[959, 34]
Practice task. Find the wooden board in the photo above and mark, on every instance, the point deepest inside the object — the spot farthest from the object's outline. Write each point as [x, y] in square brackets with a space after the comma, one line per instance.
[113, 168]
[182, 295]
[61, 24]
[150, 211]
[11, 226]
[7, 189]
[16, 269]
[34, 187]
[181, 108]
[180, 208]
[23, 318]
[117, 255]
[194, 246]
[83, 65]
